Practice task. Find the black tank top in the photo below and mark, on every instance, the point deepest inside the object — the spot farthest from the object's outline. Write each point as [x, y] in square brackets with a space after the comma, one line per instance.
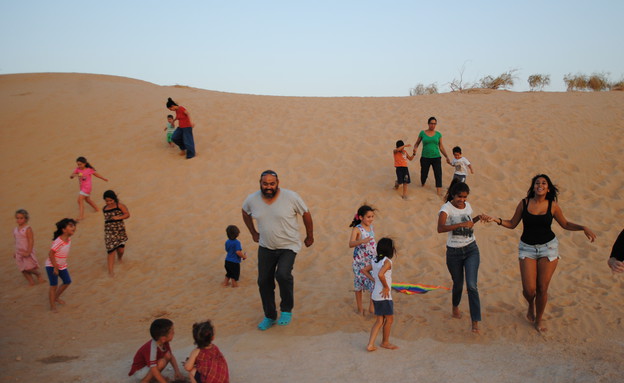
[536, 227]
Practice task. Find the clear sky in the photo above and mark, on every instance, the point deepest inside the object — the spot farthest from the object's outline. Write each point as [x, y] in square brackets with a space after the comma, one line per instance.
[313, 48]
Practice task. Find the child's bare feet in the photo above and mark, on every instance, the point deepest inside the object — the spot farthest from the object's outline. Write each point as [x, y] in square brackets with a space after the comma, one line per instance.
[234, 284]
[53, 309]
[456, 313]
[540, 327]
[371, 348]
[475, 328]
[60, 301]
[389, 346]
[182, 153]
[530, 316]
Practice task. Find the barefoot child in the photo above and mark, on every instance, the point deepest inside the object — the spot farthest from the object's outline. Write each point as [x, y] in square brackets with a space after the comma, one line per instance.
[362, 241]
[400, 164]
[84, 172]
[380, 271]
[25, 248]
[56, 264]
[153, 356]
[461, 165]
[234, 256]
[170, 128]
[462, 252]
[206, 364]
[115, 236]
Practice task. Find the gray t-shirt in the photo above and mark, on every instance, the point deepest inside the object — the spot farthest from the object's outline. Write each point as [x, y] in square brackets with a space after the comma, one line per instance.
[277, 222]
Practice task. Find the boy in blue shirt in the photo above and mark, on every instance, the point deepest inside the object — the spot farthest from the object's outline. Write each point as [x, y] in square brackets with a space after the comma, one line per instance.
[234, 256]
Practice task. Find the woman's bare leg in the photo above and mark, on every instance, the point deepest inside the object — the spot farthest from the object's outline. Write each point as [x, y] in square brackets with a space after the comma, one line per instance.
[528, 273]
[545, 271]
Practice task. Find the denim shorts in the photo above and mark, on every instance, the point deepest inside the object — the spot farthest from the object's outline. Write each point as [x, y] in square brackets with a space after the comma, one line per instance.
[385, 307]
[63, 274]
[549, 250]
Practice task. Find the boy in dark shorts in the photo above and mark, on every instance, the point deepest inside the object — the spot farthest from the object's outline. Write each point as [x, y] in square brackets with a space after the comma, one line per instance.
[233, 257]
[400, 163]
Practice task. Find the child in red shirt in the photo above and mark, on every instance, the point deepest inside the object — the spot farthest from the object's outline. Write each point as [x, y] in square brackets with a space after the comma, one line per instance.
[153, 356]
[206, 364]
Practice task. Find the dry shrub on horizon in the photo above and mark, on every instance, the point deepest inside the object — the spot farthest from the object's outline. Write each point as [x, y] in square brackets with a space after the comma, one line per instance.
[538, 81]
[420, 89]
[598, 82]
[504, 80]
[617, 85]
[575, 82]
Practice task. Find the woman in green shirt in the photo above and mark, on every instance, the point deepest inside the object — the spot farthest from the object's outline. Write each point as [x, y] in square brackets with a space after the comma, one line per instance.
[430, 157]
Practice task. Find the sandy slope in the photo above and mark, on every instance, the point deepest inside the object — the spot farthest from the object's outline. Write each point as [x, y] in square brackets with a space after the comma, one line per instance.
[335, 152]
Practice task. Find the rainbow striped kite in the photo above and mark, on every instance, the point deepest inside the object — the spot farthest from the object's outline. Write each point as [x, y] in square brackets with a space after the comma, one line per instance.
[417, 288]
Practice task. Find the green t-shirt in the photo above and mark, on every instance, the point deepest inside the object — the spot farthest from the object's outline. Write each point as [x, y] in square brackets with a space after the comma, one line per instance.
[431, 145]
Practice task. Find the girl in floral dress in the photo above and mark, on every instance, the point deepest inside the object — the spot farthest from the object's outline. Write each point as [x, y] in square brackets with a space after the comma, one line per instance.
[115, 236]
[363, 241]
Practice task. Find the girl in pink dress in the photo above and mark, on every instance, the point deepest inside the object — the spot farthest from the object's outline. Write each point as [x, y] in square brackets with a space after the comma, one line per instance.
[25, 248]
[84, 171]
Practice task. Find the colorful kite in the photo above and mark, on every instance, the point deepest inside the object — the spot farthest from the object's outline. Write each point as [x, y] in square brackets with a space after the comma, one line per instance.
[416, 288]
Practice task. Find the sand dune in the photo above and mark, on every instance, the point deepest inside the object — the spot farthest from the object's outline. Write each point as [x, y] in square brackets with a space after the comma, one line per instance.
[336, 153]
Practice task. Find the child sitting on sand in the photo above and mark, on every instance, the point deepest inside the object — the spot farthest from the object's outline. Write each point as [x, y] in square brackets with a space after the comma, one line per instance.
[400, 164]
[25, 248]
[380, 271]
[234, 256]
[461, 165]
[153, 356]
[170, 128]
[206, 364]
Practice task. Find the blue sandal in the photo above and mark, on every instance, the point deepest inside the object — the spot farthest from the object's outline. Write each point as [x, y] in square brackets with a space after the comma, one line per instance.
[266, 324]
[284, 319]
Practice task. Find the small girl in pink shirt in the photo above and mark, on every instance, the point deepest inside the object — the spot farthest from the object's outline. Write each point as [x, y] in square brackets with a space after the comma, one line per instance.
[84, 171]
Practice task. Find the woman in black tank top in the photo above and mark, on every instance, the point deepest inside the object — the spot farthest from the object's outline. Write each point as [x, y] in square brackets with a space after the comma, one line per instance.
[538, 246]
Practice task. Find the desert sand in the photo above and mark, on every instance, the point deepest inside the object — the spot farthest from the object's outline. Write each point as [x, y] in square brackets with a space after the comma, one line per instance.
[336, 153]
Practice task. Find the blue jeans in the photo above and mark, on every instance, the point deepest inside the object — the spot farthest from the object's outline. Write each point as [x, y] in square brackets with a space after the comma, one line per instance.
[276, 265]
[465, 258]
[183, 137]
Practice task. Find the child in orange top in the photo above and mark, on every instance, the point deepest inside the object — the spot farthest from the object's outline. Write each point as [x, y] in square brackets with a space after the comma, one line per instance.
[400, 163]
